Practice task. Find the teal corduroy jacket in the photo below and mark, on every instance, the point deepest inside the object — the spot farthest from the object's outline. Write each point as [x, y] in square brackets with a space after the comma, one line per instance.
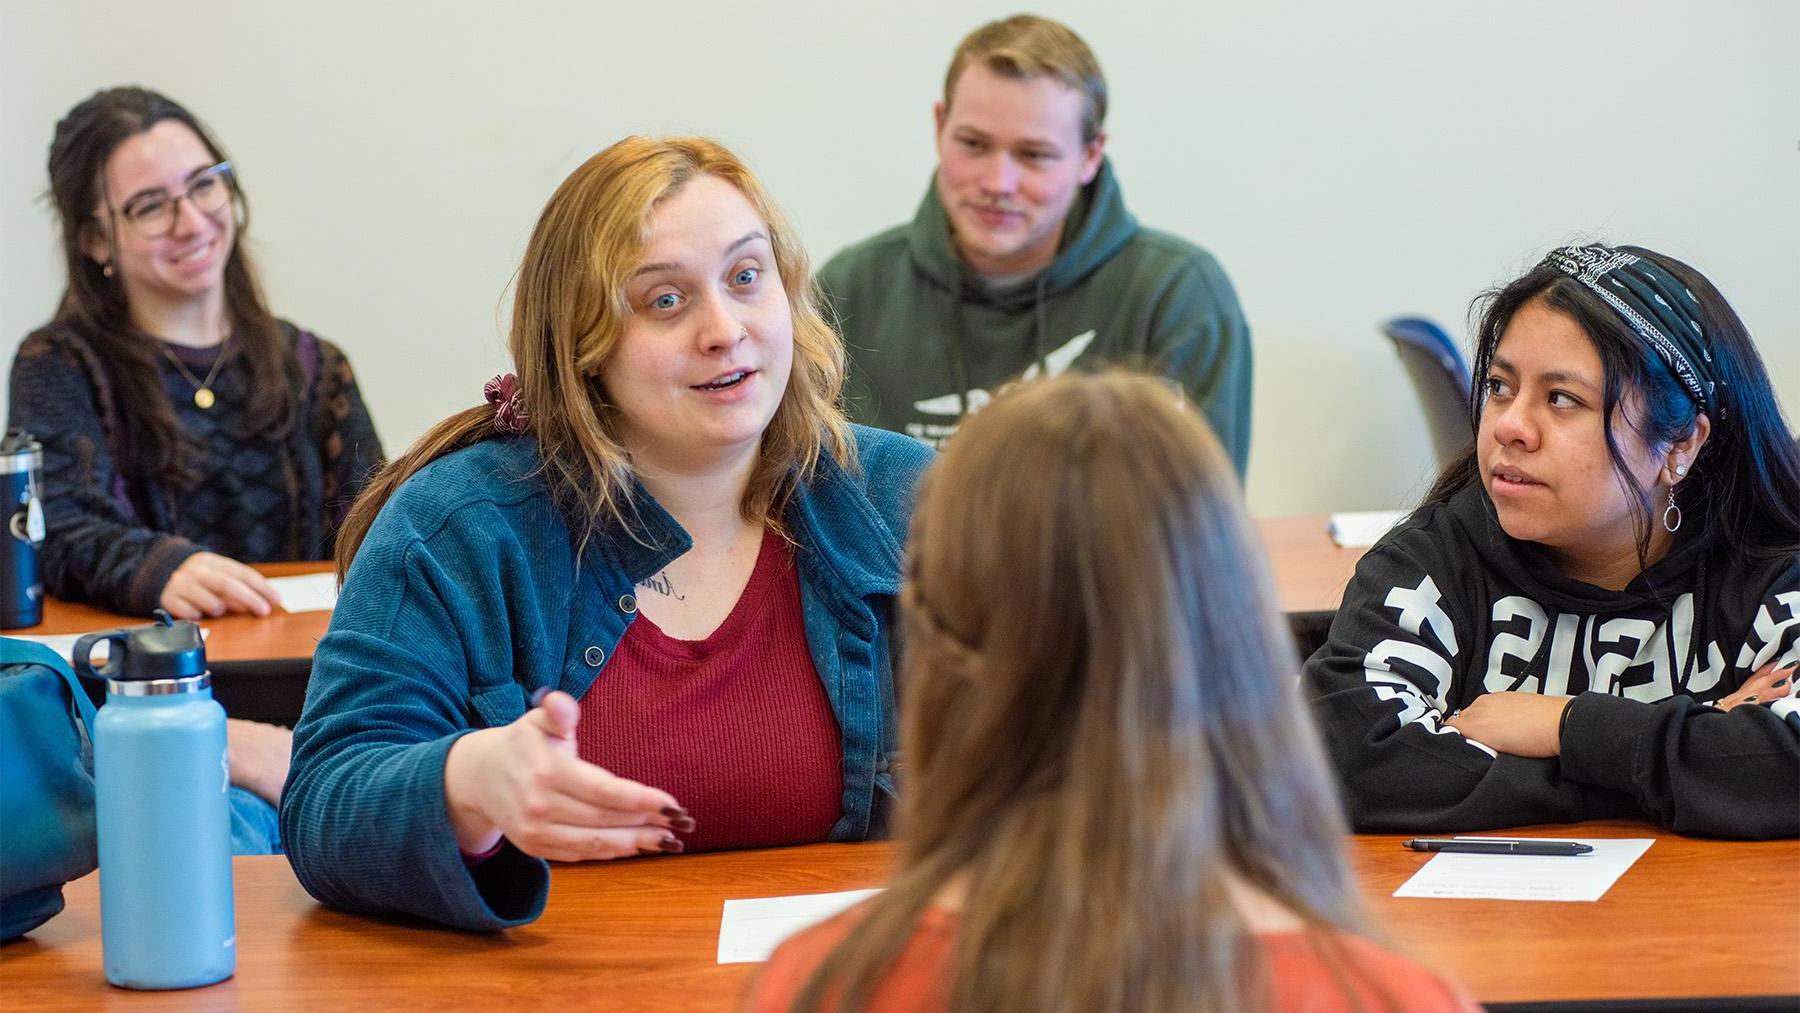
[468, 595]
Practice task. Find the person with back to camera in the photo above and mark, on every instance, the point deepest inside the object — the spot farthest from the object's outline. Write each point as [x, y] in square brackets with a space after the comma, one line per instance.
[1114, 799]
[1595, 613]
[187, 432]
[641, 603]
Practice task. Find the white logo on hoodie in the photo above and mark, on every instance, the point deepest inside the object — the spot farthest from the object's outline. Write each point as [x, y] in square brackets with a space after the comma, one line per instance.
[1055, 364]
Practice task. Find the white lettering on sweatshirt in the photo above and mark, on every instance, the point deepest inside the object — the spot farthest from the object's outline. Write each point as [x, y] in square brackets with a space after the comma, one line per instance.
[1637, 658]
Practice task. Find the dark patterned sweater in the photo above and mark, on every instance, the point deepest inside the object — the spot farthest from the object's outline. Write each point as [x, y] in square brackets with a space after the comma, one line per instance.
[117, 530]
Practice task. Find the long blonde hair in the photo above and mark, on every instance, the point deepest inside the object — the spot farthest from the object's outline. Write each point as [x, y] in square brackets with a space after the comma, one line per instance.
[569, 311]
[1101, 718]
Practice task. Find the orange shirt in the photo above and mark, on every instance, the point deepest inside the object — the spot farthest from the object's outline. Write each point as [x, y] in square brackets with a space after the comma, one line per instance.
[919, 981]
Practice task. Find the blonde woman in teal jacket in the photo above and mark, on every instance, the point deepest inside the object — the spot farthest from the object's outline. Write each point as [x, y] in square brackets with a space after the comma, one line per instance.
[641, 601]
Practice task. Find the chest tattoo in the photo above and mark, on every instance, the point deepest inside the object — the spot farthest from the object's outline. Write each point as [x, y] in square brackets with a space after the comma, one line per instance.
[661, 584]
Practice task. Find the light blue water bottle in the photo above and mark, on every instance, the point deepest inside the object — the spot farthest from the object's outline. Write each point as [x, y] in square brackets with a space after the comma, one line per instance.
[164, 817]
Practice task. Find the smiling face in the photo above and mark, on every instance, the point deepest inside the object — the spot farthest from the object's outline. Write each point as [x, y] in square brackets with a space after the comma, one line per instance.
[705, 355]
[186, 263]
[1542, 445]
[1010, 162]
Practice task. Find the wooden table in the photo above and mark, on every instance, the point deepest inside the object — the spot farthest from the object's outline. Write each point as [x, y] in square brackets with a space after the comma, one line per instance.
[1310, 573]
[260, 666]
[283, 636]
[1691, 919]
[1310, 569]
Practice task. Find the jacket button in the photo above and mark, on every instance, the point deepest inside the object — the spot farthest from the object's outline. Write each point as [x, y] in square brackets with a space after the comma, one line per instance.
[628, 603]
[593, 656]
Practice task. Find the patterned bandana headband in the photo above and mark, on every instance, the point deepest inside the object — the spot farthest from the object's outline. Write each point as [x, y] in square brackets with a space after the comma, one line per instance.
[1658, 307]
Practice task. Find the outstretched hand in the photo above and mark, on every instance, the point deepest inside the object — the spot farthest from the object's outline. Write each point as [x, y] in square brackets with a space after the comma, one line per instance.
[525, 781]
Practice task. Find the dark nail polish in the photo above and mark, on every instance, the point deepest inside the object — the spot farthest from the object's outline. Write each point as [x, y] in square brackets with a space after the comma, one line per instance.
[674, 812]
[1779, 683]
[683, 825]
[1750, 699]
[672, 845]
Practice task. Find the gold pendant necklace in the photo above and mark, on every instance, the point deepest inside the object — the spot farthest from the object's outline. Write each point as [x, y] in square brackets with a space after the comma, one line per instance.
[203, 394]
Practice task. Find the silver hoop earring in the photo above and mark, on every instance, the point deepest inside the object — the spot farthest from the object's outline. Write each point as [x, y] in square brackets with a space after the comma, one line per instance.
[1672, 526]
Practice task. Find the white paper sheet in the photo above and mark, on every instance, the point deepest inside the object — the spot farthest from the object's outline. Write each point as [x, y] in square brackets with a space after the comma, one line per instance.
[314, 592]
[64, 643]
[1360, 528]
[749, 930]
[1528, 877]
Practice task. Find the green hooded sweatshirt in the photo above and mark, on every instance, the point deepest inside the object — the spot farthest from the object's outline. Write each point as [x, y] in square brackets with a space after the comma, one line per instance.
[928, 341]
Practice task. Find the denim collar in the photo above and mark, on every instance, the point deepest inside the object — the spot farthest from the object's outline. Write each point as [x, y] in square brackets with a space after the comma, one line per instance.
[830, 516]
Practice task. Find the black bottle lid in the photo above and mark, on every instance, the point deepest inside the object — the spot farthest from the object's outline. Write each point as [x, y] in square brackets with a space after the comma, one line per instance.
[168, 649]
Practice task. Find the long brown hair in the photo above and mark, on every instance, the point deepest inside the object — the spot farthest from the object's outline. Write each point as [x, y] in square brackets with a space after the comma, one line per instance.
[569, 311]
[95, 305]
[1101, 718]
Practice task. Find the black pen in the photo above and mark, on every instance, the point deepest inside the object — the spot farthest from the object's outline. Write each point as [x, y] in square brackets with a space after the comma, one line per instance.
[1497, 846]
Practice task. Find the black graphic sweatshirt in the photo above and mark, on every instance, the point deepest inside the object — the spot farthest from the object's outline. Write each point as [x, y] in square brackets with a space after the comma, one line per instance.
[1447, 607]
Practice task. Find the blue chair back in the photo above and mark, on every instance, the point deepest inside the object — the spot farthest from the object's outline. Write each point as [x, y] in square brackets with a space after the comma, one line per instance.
[1439, 376]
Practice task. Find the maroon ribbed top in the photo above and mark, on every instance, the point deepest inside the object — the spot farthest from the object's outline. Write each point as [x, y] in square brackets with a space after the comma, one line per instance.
[737, 726]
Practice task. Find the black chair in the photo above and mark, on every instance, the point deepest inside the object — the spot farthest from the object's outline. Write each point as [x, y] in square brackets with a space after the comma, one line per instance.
[1440, 376]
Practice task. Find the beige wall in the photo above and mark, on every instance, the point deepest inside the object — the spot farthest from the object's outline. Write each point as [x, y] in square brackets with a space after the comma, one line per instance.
[1346, 162]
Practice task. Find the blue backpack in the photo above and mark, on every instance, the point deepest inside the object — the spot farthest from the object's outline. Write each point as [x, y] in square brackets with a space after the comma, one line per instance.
[46, 784]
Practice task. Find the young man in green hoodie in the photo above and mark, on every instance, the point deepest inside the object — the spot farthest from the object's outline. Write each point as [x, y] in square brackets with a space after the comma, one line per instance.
[1022, 260]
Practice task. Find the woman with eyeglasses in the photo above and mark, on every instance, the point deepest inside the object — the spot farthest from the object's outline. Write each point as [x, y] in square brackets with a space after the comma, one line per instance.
[187, 432]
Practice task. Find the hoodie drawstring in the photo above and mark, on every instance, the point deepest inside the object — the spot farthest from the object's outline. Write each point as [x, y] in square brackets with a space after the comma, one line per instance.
[1695, 637]
[959, 358]
[1037, 326]
[1539, 665]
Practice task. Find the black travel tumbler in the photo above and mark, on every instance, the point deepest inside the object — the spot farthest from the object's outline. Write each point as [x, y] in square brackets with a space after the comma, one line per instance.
[21, 588]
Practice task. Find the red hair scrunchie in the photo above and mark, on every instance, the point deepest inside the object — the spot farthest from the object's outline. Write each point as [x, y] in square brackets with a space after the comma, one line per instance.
[503, 393]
